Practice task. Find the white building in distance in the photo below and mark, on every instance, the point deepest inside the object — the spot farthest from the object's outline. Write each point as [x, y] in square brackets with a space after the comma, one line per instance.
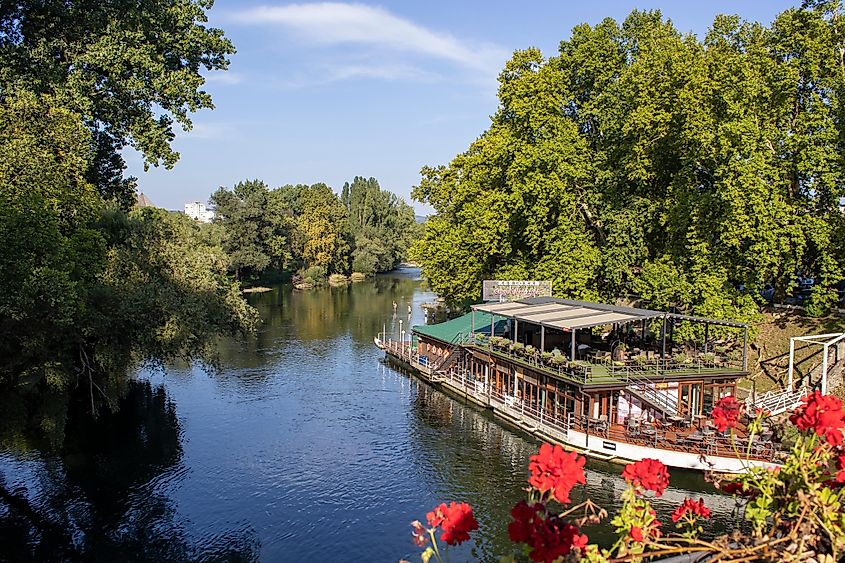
[196, 210]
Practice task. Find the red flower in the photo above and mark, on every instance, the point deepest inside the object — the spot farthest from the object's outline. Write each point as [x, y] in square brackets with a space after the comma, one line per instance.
[525, 520]
[822, 413]
[726, 412]
[636, 534]
[418, 533]
[456, 521]
[648, 474]
[840, 465]
[690, 506]
[548, 535]
[555, 470]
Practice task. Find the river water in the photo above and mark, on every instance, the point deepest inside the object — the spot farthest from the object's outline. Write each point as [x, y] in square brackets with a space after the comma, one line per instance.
[302, 446]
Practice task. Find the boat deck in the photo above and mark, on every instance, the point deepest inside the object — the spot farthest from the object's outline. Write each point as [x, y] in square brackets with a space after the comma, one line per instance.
[679, 445]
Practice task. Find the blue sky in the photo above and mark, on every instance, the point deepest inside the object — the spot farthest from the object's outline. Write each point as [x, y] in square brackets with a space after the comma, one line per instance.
[322, 92]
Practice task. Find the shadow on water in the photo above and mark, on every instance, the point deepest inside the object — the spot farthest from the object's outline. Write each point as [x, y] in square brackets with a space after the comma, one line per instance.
[100, 500]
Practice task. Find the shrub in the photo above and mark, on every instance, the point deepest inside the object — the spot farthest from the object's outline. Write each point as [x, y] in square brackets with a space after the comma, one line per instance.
[679, 358]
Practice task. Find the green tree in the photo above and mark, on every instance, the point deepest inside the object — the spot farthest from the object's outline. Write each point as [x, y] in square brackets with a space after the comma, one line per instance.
[85, 290]
[382, 225]
[130, 69]
[255, 225]
[638, 158]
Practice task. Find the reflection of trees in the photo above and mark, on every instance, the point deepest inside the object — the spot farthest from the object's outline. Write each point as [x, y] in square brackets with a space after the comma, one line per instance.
[103, 492]
[471, 457]
[292, 317]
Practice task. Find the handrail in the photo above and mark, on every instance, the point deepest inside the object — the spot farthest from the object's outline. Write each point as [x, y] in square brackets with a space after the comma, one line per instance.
[542, 418]
[583, 372]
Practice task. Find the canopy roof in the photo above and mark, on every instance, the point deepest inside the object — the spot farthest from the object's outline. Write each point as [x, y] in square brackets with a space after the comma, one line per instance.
[567, 314]
[449, 330]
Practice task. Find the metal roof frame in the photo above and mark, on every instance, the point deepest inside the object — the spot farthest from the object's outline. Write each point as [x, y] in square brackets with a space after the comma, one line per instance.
[564, 314]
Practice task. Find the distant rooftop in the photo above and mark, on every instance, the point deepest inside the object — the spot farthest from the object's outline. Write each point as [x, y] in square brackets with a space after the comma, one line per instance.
[141, 200]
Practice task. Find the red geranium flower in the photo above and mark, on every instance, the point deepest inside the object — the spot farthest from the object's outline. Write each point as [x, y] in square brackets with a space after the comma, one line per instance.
[525, 520]
[548, 535]
[692, 507]
[822, 413]
[726, 413]
[555, 470]
[636, 534]
[456, 521]
[649, 474]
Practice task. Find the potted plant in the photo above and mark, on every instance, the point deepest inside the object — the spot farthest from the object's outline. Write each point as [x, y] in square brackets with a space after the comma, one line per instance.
[530, 351]
[517, 347]
[708, 358]
[679, 358]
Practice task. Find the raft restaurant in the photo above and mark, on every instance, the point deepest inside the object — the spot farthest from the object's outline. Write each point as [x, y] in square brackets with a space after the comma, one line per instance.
[614, 382]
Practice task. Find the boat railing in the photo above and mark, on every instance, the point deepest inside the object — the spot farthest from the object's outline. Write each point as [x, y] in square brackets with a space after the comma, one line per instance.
[556, 423]
[603, 371]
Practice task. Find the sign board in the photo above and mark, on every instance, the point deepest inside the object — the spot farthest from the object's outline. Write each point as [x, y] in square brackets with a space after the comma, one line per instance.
[511, 290]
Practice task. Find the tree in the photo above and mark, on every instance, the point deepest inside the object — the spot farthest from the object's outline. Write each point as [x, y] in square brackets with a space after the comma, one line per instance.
[323, 229]
[638, 158]
[85, 290]
[255, 225]
[382, 225]
[129, 69]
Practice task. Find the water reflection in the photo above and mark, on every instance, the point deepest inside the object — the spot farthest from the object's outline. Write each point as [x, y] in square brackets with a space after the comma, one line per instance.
[303, 446]
[100, 499]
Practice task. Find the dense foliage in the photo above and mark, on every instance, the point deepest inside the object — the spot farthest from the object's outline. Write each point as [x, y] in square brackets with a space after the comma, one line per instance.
[129, 69]
[382, 225]
[312, 231]
[639, 159]
[87, 288]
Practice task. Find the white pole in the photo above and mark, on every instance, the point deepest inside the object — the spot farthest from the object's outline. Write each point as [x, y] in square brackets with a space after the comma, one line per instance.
[824, 371]
[791, 360]
[400, 329]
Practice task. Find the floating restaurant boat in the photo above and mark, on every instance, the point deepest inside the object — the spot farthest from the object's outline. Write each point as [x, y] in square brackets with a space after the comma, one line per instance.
[608, 381]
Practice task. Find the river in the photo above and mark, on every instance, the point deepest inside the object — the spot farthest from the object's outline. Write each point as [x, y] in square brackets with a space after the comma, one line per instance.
[301, 446]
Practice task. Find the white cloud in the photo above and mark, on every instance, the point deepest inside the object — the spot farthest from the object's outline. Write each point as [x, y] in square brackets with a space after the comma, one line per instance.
[384, 72]
[335, 23]
[204, 131]
[225, 77]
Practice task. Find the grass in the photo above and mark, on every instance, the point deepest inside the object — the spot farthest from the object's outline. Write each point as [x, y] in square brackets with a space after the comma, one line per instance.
[768, 356]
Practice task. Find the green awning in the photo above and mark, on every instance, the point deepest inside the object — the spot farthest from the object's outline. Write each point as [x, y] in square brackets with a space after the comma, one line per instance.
[449, 330]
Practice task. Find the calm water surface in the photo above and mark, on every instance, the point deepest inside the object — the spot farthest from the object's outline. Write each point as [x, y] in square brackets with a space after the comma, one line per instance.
[304, 446]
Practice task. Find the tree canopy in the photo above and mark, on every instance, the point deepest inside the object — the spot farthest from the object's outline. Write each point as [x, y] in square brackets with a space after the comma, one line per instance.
[310, 230]
[639, 159]
[383, 225]
[88, 289]
[130, 70]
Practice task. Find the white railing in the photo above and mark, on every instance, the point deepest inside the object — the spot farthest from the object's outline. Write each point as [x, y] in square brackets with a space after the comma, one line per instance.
[664, 400]
[776, 402]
